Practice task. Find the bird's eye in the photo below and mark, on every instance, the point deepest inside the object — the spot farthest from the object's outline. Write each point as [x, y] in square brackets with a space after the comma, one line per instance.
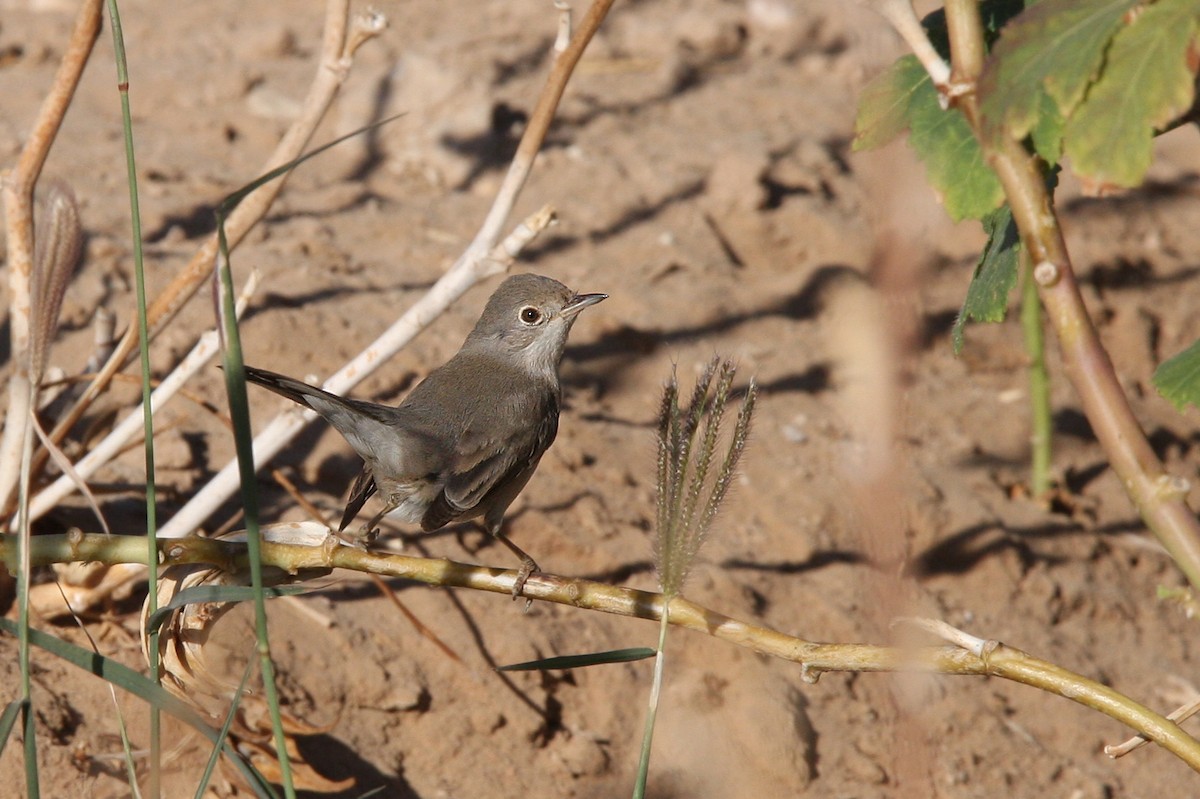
[530, 315]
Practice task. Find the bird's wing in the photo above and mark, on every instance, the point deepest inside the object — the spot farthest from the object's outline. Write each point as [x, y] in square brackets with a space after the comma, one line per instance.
[490, 454]
[360, 492]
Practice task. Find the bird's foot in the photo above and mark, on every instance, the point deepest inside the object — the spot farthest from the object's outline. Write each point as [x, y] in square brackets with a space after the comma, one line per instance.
[528, 567]
[359, 539]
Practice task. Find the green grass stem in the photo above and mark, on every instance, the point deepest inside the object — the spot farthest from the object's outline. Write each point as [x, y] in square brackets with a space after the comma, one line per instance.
[154, 789]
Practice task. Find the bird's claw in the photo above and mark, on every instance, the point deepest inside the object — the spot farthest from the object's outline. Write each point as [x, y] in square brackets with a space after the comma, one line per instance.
[358, 539]
[528, 567]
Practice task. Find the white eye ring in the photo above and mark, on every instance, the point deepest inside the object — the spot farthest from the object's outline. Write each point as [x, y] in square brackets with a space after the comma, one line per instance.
[530, 315]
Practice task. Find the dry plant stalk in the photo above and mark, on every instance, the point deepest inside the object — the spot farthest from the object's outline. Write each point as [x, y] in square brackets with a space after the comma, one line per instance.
[337, 50]
[131, 426]
[17, 188]
[57, 245]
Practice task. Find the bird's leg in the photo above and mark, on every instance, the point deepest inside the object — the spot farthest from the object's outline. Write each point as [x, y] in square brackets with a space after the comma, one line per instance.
[369, 531]
[354, 538]
[528, 564]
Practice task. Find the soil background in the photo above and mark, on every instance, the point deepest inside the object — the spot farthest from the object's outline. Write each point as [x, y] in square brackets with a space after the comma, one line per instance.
[702, 170]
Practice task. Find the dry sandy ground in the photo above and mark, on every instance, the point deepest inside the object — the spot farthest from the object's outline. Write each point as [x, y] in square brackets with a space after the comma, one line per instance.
[702, 170]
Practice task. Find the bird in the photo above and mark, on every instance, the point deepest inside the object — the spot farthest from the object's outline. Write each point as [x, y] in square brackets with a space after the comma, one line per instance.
[465, 441]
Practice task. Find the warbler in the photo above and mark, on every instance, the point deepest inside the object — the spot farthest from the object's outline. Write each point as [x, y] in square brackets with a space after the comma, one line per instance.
[466, 440]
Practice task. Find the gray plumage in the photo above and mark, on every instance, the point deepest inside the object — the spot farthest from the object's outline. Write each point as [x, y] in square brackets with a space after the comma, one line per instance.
[467, 439]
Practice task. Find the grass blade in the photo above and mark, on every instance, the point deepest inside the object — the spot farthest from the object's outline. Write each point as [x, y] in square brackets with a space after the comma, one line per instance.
[135, 218]
[580, 661]
[231, 201]
[239, 413]
[224, 733]
[22, 630]
[216, 593]
[127, 679]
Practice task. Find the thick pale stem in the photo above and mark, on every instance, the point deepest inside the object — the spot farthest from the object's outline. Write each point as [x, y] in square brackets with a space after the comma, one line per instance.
[966, 33]
[1160, 500]
[814, 658]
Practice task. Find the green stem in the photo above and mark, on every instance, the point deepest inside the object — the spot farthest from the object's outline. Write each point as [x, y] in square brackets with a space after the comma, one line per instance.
[147, 416]
[1039, 381]
[239, 412]
[639, 788]
[24, 573]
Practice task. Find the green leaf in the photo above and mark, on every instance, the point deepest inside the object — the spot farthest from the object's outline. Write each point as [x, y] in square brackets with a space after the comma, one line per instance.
[904, 96]
[995, 275]
[127, 679]
[1147, 82]
[577, 661]
[1057, 46]
[217, 593]
[883, 104]
[954, 162]
[1178, 378]
[1047, 133]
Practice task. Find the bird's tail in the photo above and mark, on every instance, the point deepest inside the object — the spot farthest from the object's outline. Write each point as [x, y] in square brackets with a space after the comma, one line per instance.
[295, 390]
[363, 424]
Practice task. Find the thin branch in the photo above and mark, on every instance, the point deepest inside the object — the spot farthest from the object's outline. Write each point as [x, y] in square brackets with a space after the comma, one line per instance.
[904, 19]
[1180, 714]
[989, 658]
[1041, 421]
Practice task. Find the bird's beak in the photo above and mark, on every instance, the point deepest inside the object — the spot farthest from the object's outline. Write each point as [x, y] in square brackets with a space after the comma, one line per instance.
[581, 301]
